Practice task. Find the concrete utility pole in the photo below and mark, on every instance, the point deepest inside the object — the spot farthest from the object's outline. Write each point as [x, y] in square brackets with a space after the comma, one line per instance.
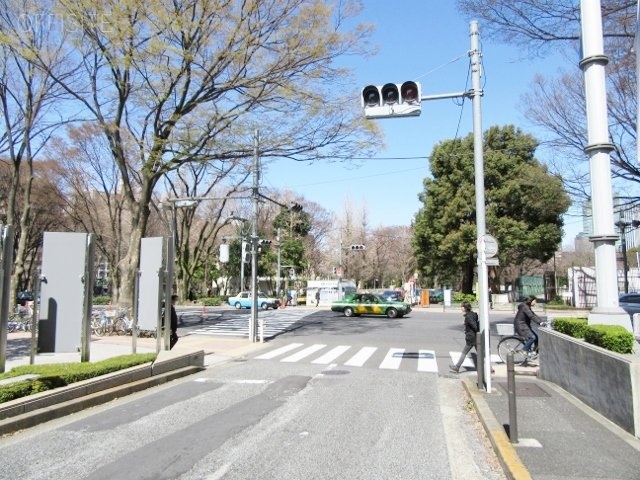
[607, 309]
[478, 161]
[254, 242]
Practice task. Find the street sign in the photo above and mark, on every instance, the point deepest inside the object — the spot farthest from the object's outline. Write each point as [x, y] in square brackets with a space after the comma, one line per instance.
[489, 244]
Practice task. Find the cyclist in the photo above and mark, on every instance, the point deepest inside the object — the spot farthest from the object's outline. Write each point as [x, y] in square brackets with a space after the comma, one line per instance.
[522, 325]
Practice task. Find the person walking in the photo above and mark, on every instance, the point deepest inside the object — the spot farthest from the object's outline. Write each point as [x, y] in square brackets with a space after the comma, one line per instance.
[522, 325]
[317, 297]
[471, 327]
[173, 339]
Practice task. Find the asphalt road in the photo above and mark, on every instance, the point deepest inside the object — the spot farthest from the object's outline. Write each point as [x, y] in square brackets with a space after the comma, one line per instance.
[283, 415]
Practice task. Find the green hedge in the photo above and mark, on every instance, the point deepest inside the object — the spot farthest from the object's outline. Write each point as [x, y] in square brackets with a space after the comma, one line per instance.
[612, 337]
[56, 375]
[101, 300]
[615, 338]
[211, 301]
[574, 327]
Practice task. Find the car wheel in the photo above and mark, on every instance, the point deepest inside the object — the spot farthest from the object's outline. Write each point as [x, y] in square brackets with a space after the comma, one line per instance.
[348, 312]
[238, 305]
[392, 313]
[264, 306]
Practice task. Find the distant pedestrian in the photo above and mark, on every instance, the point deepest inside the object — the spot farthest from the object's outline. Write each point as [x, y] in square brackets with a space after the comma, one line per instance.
[471, 327]
[317, 297]
[173, 339]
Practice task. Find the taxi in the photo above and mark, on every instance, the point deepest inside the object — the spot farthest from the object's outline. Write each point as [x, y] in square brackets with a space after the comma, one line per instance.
[369, 304]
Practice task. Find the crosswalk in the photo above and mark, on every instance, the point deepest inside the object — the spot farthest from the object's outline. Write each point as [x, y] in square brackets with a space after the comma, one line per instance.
[238, 326]
[394, 358]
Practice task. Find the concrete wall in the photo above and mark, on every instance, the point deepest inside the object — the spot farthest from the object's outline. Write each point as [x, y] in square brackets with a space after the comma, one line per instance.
[605, 381]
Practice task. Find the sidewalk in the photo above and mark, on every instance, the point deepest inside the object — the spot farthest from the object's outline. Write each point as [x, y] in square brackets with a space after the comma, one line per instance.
[216, 349]
[559, 437]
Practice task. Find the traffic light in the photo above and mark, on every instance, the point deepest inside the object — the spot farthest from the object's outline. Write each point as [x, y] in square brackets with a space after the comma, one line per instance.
[295, 207]
[246, 253]
[391, 100]
[265, 242]
[357, 247]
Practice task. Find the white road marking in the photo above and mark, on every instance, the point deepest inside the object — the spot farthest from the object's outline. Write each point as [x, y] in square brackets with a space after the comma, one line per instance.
[331, 355]
[303, 353]
[393, 359]
[427, 361]
[361, 357]
[279, 351]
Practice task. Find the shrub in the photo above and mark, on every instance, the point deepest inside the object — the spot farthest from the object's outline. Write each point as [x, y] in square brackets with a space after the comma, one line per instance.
[101, 300]
[612, 337]
[459, 297]
[56, 375]
[574, 327]
[211, 301]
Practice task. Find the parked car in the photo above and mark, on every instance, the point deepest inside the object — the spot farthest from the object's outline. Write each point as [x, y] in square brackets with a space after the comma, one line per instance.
[357, 304]
[23, 297]
[393, 295]
[630, 302]
[436, 295]
[244, 300]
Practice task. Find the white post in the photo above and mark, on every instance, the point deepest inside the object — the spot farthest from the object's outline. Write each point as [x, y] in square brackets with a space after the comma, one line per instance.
[598, 147]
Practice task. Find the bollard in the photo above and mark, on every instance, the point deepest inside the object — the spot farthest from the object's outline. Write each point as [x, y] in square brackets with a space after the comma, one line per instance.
[480, 360]
[511, 391]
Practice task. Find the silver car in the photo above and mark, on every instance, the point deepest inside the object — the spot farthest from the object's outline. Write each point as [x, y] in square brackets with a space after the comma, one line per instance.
[630, 302]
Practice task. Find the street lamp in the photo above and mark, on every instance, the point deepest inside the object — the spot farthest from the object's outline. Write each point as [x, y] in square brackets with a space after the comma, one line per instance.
[622, 225]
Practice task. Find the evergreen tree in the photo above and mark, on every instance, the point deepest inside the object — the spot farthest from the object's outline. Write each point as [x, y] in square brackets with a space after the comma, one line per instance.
[524, 207]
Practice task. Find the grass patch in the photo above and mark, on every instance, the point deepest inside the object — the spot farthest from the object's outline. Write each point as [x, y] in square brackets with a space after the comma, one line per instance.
[54, 375]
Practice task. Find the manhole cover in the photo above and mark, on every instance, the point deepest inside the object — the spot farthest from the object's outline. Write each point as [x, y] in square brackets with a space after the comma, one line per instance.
[413, 355]
[525, 389]
[335, 372]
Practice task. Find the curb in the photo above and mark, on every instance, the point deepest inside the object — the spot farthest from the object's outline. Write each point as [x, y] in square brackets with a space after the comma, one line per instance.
[513, 467]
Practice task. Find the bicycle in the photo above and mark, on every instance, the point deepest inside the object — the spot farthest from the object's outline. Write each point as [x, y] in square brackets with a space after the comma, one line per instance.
[512, 343]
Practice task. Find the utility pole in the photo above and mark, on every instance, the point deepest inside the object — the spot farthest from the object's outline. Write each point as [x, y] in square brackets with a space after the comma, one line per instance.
[255, 195]
[278, 272]
[478, 161]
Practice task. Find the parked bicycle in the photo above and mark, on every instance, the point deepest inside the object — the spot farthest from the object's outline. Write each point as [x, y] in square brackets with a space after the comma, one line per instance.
[20, 320]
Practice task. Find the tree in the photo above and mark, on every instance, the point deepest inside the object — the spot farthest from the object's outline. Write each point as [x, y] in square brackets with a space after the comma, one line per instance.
[524, 207]
[29, 97]
[172, 83]
[557, 104]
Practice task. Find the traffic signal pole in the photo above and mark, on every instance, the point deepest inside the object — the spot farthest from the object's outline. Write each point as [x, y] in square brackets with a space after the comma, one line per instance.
[402, 100]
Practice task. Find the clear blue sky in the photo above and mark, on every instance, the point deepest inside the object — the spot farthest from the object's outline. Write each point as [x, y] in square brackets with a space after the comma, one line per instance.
[427, 42]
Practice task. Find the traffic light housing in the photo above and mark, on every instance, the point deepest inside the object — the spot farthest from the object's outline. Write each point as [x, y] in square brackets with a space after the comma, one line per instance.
[224, 253]
[357, 248]
[246, 252]
[391, 100]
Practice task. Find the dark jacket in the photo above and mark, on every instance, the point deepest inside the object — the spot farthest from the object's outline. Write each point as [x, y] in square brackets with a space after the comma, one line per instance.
[174, 319]
[522, 321]
[471, 327]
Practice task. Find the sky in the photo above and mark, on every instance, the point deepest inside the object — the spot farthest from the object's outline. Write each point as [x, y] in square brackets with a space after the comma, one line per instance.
[426, 42]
